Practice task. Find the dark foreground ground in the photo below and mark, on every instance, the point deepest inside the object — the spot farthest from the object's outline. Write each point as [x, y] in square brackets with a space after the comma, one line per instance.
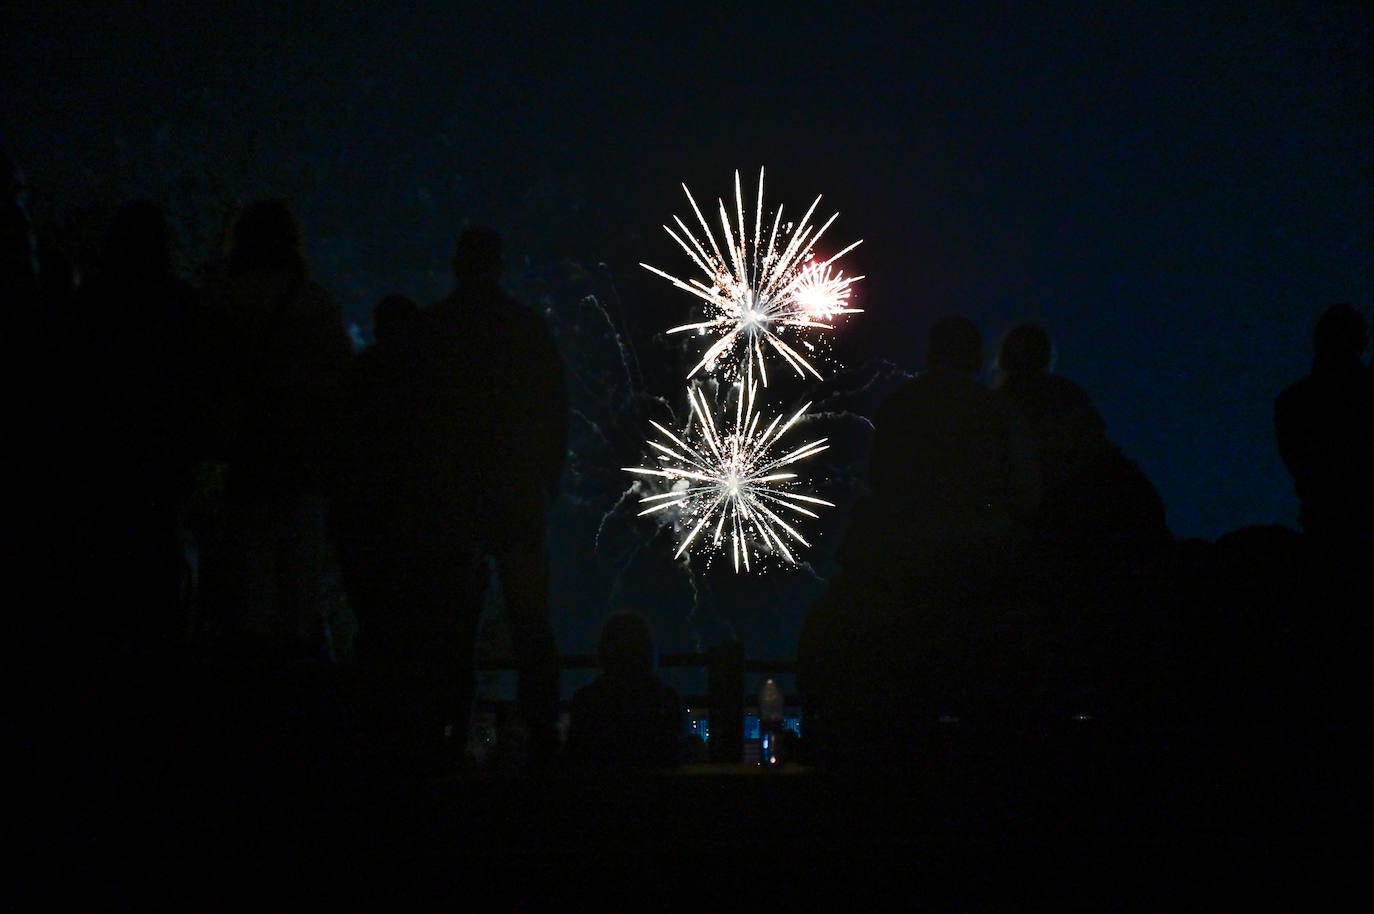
[198, 798]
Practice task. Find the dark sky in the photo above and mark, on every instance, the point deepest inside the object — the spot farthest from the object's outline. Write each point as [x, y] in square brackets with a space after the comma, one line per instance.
[1175, 192]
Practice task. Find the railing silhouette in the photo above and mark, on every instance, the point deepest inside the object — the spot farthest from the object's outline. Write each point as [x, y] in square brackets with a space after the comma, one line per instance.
[1047, 629]
[726, 699]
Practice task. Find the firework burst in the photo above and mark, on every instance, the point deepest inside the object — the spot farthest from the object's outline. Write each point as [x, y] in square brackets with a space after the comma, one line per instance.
[760, 288]
[730, 481]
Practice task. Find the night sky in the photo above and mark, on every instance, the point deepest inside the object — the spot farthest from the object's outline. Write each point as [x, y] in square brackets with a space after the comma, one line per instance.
[1176, 193]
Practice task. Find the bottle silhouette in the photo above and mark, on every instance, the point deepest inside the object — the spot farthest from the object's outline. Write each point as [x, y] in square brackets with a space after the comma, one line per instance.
[770, 725]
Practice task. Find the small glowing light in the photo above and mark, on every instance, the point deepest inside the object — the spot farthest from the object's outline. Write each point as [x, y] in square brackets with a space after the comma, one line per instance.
[820, 294]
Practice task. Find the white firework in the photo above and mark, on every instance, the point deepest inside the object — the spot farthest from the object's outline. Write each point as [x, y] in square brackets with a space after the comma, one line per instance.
[729, 479]
[760, 289]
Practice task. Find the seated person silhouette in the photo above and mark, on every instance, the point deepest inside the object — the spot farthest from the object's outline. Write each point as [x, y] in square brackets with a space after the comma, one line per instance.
[1324, 425]
[628, 718]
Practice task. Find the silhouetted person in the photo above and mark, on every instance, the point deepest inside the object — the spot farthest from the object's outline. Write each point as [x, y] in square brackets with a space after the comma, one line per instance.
[478, 461]
[19, 279]
[137, 428]
[628, 718]
[27, 359]
[375, 456]
[28, 337]
[1099, 541]
[286, 354]
[117, 388]
[1094, 498]
[1063, 421]
[1324, 425]
[950, 461]
[896, 638]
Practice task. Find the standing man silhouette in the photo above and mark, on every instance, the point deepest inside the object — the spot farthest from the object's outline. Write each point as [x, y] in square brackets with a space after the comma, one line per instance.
[952, 482]
[483, 439]
[1324, 426]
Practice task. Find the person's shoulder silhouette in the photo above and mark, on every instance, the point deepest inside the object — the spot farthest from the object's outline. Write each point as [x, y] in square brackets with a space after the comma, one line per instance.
[948, 454]
[374, 409]
[489, 369]
[136, 330]
[287, 352]
[478, 300]
[1324, 428]
[270, 286]
[1063, 420]
[1094, 498]
[377, 389]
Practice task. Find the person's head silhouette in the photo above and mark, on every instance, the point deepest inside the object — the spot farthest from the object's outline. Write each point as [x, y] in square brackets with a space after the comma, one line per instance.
[477, 258]
[266, 237]
[627, 645]
[1026, 349]
[955, 344]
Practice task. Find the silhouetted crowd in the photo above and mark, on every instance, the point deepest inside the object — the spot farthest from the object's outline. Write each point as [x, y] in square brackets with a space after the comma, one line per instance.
[1009, 580]
[224, 504]
[222, 509]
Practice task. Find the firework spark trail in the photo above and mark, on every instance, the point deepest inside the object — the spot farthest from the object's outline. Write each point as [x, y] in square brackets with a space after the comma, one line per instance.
[762, 290]
[621, 339]
[857, 386]
[606, 517]
[629, 364]
[733, 478]
[591, 424]
[616, 336]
